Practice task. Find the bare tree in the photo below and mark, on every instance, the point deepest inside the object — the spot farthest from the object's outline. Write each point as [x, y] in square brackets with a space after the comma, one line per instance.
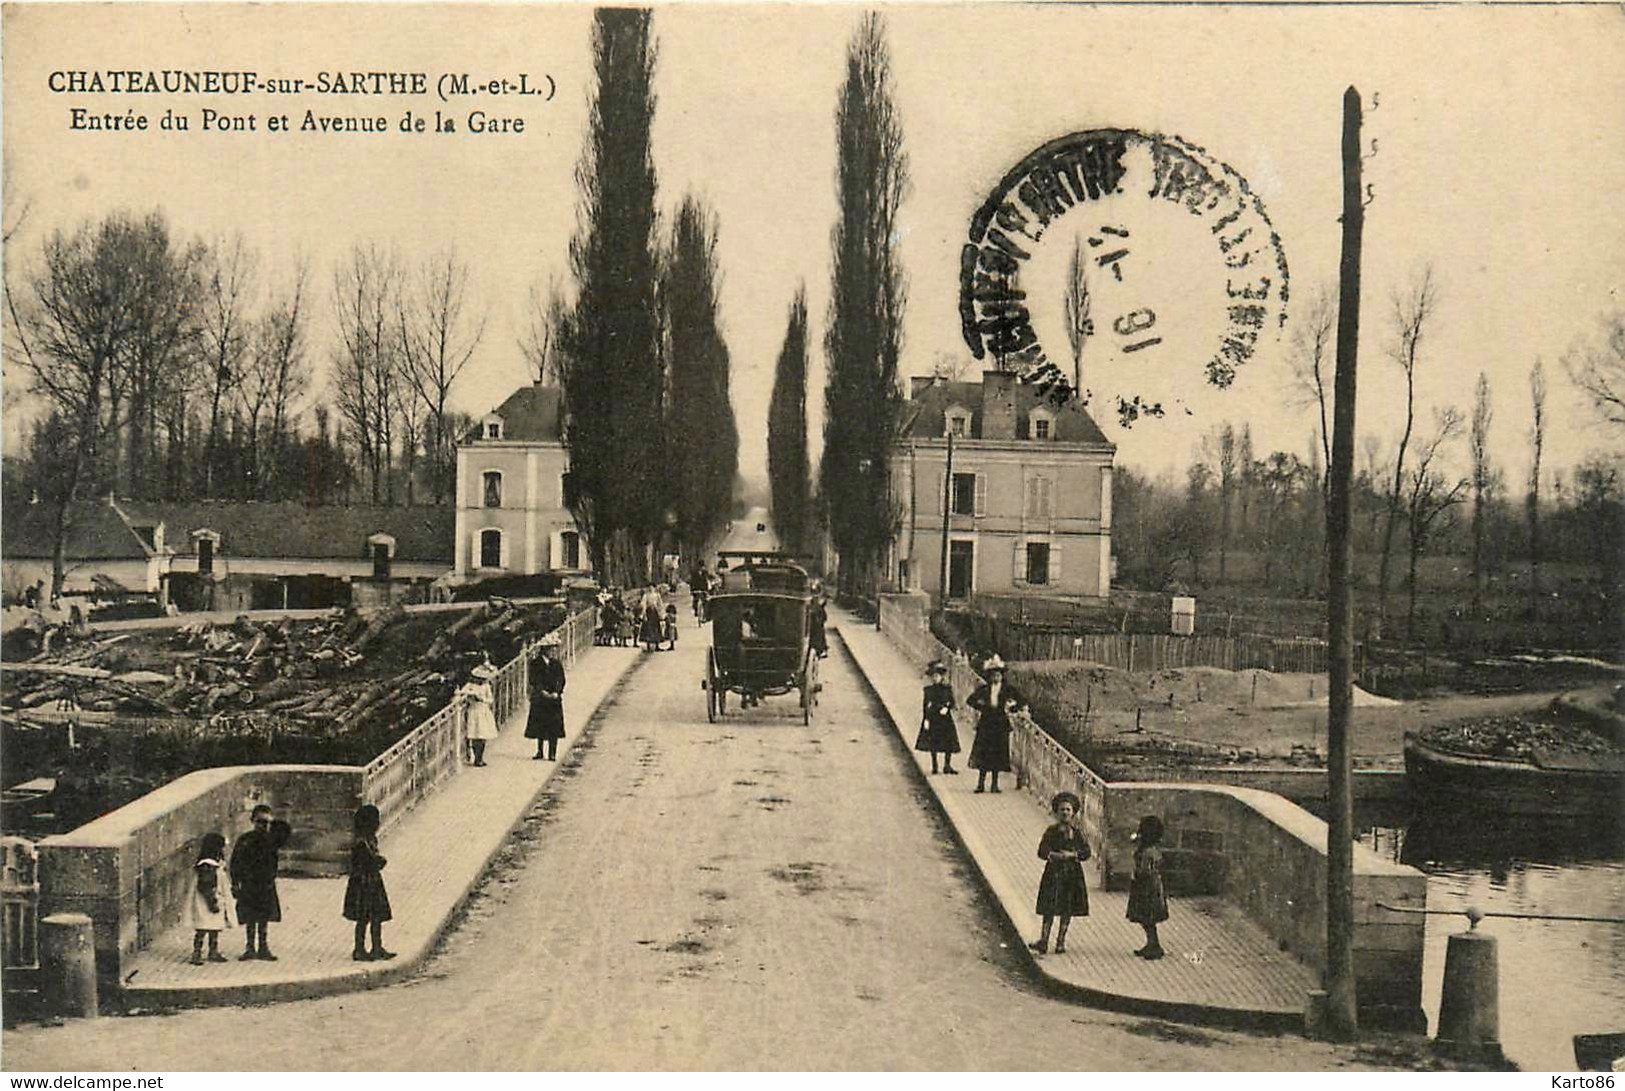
[1483, 480]
[1537, 441]
[540, 342]
[1312, 365]
[440, 332]
[1413, 311]
[1599, 369]
[275, 376]
[365, 373]
[1429, 496]
[1219, 447]
[1079, 326]
[226, 327]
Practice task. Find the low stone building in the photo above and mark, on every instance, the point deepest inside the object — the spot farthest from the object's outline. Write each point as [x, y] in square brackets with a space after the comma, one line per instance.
[1026, 505]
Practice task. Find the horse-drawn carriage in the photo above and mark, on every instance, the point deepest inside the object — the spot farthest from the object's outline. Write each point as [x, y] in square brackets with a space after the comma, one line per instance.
[762, 639]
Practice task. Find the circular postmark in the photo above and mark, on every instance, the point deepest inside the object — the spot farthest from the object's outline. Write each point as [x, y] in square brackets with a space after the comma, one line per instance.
[1111, 261]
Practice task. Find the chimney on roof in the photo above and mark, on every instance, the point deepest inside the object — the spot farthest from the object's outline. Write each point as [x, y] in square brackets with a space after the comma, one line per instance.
[999, 405]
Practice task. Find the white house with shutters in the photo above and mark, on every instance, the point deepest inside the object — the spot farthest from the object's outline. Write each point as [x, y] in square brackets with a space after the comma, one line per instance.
[511, 474]
[1026, 505]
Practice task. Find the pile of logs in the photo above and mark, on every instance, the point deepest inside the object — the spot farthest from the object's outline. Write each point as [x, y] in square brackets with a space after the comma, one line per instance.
[334, 674]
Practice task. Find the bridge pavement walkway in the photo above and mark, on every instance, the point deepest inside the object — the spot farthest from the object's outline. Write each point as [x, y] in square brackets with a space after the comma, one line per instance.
[436, 855]
[1221, 966]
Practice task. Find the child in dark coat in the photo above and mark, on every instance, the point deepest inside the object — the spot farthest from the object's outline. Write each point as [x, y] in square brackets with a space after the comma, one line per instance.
[253, 881]
[366, 902]
[1147, 901]
[937, 731]
[1061, 892]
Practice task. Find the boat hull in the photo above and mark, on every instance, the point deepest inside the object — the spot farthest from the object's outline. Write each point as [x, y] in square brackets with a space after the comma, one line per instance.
[1512, 789]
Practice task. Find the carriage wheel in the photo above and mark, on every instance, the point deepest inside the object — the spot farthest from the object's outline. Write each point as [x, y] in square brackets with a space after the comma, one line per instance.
[713, 702]
[809, 675]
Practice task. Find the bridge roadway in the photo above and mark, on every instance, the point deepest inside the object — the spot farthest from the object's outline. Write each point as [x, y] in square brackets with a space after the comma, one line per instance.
[754, 894]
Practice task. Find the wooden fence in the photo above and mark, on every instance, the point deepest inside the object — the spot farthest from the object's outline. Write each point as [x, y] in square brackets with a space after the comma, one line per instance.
[1146, 652]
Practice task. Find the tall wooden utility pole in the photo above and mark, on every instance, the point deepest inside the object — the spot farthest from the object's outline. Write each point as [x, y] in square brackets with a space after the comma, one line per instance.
[1341, 1019]
[947, 507]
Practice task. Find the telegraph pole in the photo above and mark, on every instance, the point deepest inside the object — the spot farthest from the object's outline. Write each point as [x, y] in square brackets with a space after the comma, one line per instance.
[947, 506]
[1341, 1017]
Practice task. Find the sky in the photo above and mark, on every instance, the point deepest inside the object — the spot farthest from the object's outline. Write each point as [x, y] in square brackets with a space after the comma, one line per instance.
[1499, 155]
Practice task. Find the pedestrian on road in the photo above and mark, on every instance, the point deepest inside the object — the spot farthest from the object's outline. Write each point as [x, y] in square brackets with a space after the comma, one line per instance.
[994, 703]
[670, 627]
[253, 881]
[1147, 900]
[1061, 892]
[938, 734]
[366, 902]
[482, 717]
[207, 910]
[819, 618]
[545, 723]
[651, 634]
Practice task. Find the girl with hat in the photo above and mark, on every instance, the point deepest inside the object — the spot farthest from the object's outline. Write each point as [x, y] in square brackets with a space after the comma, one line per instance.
[937, 731]
[994, 703]
[1061, 892]
[482, 718]
[1147, 900]
[366, 902]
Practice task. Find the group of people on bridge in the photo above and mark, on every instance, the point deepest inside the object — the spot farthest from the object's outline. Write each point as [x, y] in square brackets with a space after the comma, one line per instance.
[1062, 893]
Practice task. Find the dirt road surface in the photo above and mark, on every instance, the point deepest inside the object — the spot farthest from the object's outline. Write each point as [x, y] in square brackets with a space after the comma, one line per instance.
[753, 894]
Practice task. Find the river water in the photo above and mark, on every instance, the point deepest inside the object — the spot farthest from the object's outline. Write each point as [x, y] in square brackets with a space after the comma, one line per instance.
[1558, 978]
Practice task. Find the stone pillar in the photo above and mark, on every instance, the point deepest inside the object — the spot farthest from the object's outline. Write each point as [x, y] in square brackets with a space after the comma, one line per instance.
[68, 964]
[1469, 1008]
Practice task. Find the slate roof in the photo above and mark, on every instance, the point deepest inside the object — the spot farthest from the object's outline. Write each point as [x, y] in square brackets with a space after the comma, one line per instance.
[530, 413]
[334, 531]
[1073, 424]
[95, 533]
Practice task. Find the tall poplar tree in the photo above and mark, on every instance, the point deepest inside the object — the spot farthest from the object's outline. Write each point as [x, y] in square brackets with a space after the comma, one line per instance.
[700, 428]
[610, 344]
[788, 472]
[864, 337]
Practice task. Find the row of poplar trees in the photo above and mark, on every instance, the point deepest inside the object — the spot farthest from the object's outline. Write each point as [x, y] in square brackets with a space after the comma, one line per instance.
[640, 357]
[862, 339]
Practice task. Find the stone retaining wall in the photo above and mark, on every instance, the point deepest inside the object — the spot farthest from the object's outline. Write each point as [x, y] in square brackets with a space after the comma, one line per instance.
[131, 870]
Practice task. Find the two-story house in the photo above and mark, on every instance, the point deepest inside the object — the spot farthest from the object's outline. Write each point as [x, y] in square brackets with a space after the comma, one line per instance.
[511, 471]
[1026, 504]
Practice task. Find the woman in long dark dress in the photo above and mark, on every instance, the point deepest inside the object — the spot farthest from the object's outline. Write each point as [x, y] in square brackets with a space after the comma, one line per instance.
[545, 723]
[366, 902]
[938, 734]
[1062, 892]
[994, 702]
[1147, 899]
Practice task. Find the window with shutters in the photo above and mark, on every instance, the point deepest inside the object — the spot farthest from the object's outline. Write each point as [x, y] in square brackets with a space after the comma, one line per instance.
[493, 488]
[964, 494]
[1040, 498]
[491, 548]
[1038, 563]
[569, 550]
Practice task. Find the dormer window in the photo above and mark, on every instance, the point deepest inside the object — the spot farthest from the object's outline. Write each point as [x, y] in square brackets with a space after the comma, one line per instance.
[381, 548]
[1042, 425]
[958, 421]
[491, 427]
